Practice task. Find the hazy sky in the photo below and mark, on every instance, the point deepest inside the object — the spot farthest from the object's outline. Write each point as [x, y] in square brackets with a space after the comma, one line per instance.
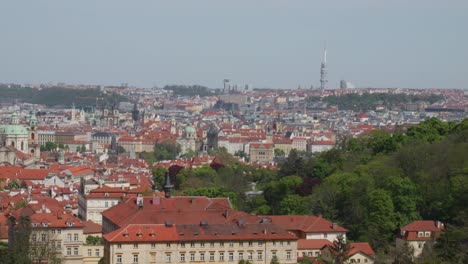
[271, 43]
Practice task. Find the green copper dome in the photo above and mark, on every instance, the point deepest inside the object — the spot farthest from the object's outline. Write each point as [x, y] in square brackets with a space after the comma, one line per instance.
[14, 130]
[189, 129]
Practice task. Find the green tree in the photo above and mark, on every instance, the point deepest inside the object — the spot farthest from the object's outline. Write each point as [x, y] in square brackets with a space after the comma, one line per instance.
[293, 164]
[306, 260]
[451, 245]
[14, 184]
[94, 240]
[227, 159]
[340, 249]
[49, 146]
[279, 153]
[159, 177]
[404, 254]
[120, 149]
[166, 150]
[430, 130]
[190, 154]
[274, 260]
[381, 222]
[213, 192]
[293, 204]
[19, 252]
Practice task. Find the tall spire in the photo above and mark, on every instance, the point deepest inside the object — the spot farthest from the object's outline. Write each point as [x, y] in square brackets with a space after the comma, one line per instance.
[168, 186]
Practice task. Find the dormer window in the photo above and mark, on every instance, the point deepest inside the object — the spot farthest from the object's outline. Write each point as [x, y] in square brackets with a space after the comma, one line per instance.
[45, 224]
[35, 224]
[427, 234]
[106, 194]
[70, 224]
[420, 234]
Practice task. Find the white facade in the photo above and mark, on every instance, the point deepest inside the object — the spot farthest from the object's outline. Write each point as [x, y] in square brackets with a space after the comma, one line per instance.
[329, 236]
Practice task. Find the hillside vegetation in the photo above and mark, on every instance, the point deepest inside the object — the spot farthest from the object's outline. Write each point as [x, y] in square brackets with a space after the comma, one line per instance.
[368, 101]
[57, 95]
[372, 185]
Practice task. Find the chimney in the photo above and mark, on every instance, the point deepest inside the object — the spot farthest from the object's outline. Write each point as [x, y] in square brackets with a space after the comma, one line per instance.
[439, 224]
[334, 226]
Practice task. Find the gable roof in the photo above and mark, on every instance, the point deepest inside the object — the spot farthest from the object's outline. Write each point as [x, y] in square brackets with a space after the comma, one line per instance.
[306, 223]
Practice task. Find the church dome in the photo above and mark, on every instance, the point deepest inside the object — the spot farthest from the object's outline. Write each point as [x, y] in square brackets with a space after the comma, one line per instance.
[189, 129]
[15, 130]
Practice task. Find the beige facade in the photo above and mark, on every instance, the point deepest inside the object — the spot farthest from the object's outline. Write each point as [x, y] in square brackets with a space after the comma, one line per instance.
[286, 147]
[137, 145]
[261, 152]
[92, 254]
[70, 137]
[91, 208]
[45, 136]
[203, 252]
[66, 244]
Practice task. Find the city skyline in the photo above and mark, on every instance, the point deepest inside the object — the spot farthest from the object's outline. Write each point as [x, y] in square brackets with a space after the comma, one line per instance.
[272, 44]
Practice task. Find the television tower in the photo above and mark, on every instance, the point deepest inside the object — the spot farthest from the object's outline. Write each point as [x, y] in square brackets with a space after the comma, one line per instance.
[323, 71]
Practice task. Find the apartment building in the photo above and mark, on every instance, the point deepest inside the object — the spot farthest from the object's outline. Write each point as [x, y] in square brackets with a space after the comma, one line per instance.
[54, 235]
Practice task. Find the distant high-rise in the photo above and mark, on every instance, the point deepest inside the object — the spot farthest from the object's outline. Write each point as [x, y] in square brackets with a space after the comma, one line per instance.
[346, 85]
[323, 72]
[342, 84]
[226, 86]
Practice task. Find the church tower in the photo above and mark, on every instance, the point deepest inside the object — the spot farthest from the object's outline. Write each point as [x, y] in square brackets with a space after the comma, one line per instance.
[173, 126]
[34, 148]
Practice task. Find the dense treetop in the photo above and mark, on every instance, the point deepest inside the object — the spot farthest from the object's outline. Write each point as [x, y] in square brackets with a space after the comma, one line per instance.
[57, 95]
[368, 101]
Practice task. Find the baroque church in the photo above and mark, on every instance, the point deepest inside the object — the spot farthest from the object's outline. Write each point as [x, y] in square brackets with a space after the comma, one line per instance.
[18, 143]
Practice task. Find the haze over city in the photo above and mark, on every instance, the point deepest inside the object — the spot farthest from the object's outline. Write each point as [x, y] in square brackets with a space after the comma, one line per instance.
[276, 44]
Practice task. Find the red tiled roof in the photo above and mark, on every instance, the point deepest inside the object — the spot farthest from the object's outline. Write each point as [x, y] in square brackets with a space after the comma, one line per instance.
[198, 232]
[305, 223]
[363, 247]
[179, 210]
[422, 225]
[92, 228]
[303, 244]
[261, 146]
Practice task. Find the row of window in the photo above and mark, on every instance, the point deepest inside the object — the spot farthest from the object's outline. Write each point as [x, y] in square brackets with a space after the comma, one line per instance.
[96, 252]
[358, 261]
[44, 235]
[212, 244]
[183, 257]
[75, 237]
[424, 234]
[69, 251]
[106, 204]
